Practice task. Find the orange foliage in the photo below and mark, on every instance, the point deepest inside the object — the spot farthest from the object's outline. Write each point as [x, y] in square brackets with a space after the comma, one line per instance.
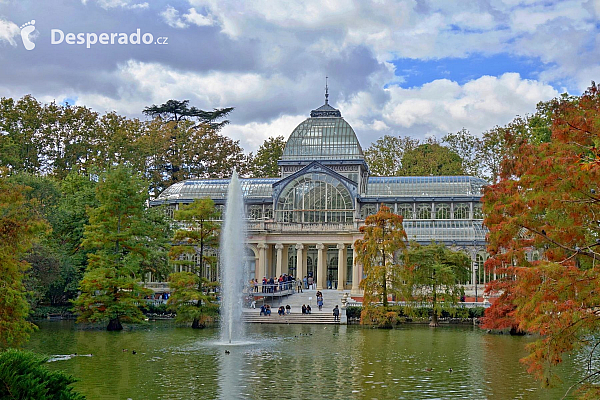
[544, 216]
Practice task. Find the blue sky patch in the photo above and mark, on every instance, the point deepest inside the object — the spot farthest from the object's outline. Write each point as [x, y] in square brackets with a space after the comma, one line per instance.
[415, 72]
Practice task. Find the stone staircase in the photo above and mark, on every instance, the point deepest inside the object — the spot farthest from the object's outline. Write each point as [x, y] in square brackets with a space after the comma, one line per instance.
[318, 317]
[331, 298]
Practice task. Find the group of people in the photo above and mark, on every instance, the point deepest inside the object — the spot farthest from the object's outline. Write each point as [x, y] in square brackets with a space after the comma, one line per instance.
[306, 309]
[308, 282]
[273, 284]
[283, 311]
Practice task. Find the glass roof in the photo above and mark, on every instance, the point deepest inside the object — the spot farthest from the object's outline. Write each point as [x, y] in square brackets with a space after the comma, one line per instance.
[445, 230]
[402, 186]
[217, 189]
[323, 138]
[418, 186]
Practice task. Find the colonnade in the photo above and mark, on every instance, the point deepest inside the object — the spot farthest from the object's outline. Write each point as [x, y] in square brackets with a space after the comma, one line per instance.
[280, 252]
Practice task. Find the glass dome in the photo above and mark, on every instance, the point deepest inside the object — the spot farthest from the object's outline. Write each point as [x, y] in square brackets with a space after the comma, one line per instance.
[323, 136]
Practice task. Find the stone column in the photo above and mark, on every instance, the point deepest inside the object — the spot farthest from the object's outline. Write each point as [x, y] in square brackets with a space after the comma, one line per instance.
[262, 260]
[279, 269]
[356, 274]
[321, 271]
[299, 261]
[341, 265]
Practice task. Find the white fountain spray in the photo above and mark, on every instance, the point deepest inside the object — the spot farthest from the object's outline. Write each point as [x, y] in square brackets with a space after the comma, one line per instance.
[233, 267]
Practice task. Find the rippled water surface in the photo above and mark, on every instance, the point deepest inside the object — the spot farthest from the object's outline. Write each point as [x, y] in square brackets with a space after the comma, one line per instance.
[295, 362]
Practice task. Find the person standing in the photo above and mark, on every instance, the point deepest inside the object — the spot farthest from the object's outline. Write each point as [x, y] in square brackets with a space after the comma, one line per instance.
[299, 282]
[320, 303]
[336, 314]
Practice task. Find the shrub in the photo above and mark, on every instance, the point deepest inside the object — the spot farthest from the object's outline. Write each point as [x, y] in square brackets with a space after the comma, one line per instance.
[353, 312]
[24, 376]
[381, 317]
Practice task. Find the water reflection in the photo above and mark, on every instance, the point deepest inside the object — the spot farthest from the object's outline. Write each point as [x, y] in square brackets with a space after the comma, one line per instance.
[296, 362]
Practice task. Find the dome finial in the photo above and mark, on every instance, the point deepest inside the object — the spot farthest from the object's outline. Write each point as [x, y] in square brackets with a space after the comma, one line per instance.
[326, 92]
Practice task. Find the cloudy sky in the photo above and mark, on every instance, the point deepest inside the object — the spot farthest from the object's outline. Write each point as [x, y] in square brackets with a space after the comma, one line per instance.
[408, 67]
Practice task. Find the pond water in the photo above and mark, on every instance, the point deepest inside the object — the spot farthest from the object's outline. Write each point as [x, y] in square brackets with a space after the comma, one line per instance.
[295, 362]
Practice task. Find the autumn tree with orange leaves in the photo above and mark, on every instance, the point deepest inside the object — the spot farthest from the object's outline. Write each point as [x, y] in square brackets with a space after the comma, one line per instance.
[383, 236]
[544, 240]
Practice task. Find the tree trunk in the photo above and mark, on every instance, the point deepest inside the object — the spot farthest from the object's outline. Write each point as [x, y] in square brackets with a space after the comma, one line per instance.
[434, 320]
[196, 324]
[515, 331]
[434, 317]
[114, 325]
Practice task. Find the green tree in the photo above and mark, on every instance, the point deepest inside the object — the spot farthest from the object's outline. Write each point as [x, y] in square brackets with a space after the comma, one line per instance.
[78, 194]
[383, 237]
[175, 110]
[24, 375]
[193, 149]
[384, 156]
[21, 139]
[433, 274]
[431, 158]
[120, 236]
[191, 298]
[469, 148]
[20, 227]
[264, 163]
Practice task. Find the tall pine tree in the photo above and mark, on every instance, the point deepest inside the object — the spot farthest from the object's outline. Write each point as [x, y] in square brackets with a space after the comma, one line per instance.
[120, 236]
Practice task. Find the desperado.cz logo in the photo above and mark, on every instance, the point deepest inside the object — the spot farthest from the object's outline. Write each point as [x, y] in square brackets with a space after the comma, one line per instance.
[89, 39]
[57, 36]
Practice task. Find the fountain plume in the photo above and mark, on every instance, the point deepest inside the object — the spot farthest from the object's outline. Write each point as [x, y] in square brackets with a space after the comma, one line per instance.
[233, 266]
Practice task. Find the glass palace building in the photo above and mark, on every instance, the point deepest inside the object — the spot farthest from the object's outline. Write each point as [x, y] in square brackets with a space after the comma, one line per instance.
[305, 222]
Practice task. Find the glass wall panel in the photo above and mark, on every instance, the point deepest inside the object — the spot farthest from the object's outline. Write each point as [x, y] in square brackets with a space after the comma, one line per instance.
[442, 211]
[406, 210]
[411, 186]
[255, 212]
[477, 211]
[367, 209]
[423, 211]
[462, 211]
[315, 198]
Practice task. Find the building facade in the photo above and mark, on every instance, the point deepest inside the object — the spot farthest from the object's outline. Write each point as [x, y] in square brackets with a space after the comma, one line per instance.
[305, 222]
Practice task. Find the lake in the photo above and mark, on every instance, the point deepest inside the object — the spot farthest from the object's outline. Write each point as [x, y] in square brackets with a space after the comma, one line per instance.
[296, 362]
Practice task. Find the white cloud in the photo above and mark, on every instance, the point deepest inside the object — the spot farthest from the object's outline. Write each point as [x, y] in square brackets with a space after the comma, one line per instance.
[127, 4]
[444, 106]
[193, 17]
[432, 109]
[171, 17]
[253, 134]
[8, 31]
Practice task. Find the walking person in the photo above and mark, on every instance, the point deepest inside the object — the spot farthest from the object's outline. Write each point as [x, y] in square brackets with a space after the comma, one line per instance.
[320, 303]
[336, 314]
